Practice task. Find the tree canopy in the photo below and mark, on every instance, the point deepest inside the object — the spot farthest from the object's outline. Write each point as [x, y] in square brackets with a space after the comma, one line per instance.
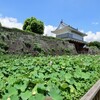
[34, 25]
[95, 43]
[0, 24]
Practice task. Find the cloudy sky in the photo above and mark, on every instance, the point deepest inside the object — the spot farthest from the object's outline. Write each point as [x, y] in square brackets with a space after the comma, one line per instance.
[81, 14]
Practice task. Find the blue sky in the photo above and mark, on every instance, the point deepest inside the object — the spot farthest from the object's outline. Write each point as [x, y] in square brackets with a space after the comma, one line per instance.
[82, 14]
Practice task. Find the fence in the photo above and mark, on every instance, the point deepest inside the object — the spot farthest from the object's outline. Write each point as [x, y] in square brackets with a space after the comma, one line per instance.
[93, 93]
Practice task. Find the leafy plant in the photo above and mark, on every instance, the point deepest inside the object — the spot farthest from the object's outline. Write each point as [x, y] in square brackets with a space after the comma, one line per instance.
[0, 24]
[39, 78]
[95, 43]
[37, 47]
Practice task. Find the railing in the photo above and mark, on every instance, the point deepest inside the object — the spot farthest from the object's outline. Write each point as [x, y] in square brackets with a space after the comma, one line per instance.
[93, 93]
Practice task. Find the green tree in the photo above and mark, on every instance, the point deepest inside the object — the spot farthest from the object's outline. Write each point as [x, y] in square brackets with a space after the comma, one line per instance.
[0, 24]
[95, 43]
[34, 25]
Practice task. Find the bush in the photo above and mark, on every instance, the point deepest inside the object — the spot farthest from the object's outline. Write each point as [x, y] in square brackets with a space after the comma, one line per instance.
[95, 43]
[37, 47]
[94, 50]
[3, 48]
[3, 45]
[0, 24]
[2, 51]
[68, 51]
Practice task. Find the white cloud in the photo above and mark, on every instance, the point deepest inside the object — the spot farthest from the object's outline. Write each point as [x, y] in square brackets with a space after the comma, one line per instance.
[92, 36]
[95, 23]
[81, 31]
[0, 15]
[13, 22]
[48, 29]
[10, 22]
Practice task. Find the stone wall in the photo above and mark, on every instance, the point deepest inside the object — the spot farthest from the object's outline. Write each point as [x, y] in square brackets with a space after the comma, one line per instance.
[21, 42]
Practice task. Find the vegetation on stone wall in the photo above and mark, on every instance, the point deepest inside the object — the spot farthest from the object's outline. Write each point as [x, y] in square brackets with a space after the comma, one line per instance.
[94, 50]
[22, 42]
[3, 47]
[31, 43]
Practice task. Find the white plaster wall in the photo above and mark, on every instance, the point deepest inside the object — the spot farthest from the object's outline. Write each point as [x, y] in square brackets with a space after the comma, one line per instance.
[64, 31]
[76, 36]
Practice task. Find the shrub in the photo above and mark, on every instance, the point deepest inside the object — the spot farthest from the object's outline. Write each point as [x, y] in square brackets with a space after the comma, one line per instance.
[0, 24]
[95, 43]
[28, 45]
[94, 50]
[37, 47]
[2, 51]
[3, 45]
